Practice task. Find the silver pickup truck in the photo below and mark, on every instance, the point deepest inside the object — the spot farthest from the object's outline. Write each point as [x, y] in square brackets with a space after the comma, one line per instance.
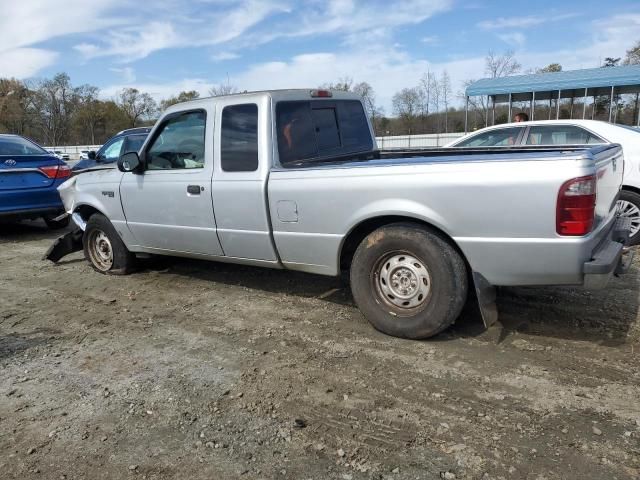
[293, 179]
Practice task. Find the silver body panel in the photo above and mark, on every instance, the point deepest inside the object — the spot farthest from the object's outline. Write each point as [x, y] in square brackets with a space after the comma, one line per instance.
[499, 208]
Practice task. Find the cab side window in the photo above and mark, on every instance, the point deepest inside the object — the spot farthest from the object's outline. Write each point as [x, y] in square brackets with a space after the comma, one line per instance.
[111, 151]
[561, 135]
[500, 137]
[239, 138]
[179, 143]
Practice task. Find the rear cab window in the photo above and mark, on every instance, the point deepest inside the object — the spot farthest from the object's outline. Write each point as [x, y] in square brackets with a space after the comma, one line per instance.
[312, 130]
[239, 138]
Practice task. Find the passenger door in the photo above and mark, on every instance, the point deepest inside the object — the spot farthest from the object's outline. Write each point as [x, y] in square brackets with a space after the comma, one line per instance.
[169, 206]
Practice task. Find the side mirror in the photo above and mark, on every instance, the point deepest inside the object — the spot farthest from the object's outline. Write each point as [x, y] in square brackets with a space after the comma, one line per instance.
[91, 155]
[130, 162]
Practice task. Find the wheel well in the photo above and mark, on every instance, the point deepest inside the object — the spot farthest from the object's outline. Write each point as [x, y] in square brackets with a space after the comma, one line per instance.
[360, 232]
[631, 189]
[86, 211]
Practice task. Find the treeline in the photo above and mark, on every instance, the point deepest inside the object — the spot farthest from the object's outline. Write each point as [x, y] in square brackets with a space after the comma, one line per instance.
[54, 112]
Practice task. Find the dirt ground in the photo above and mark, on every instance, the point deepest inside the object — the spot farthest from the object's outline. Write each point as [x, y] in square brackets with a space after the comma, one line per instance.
[198, 370]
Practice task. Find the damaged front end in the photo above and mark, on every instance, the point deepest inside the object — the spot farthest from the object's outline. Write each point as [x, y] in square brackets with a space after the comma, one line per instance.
[70, 242]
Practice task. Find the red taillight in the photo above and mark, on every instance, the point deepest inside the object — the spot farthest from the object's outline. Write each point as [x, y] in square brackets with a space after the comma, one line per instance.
[321, 94]
[56, 171]
[576, 206]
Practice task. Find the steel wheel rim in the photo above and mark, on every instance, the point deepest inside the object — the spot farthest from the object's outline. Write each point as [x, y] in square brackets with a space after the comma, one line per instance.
[100, 250]
[402, 281]
[629, 210]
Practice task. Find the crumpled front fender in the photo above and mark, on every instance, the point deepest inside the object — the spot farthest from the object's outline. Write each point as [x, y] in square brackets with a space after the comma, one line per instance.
[67, 193]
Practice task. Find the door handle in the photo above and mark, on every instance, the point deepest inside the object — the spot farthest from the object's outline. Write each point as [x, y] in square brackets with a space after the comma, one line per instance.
[194, 189]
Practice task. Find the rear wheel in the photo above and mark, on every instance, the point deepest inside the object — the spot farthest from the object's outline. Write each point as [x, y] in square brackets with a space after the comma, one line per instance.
[408, 281]
[629, 206]
[104, 249]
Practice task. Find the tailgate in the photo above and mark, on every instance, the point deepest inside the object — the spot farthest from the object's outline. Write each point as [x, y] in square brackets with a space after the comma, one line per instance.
[18, 172]
[609, 171]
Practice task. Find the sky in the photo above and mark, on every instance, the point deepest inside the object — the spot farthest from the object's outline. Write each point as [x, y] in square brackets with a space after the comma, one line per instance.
[165, 46]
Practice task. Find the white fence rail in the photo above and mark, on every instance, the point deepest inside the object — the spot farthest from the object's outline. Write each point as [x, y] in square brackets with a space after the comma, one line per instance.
[400, 141]
[417, 141]
[74, 151]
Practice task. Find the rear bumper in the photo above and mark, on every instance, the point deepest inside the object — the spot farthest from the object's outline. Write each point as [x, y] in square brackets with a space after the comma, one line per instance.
[611, 256]
[31, 202]
[30, 213]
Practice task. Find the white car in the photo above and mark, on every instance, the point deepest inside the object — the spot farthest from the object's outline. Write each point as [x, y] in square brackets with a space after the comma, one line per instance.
[573, 132]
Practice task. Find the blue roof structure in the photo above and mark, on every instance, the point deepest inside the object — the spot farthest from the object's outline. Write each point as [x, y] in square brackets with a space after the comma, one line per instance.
[596, 80]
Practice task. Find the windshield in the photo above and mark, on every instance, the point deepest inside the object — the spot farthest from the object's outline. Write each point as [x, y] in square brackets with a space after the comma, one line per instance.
[14, 145]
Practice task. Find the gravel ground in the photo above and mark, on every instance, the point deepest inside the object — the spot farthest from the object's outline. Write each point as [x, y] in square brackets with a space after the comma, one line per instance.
[197, 370]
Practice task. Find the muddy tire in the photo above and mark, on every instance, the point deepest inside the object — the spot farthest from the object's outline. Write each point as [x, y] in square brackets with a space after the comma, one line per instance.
[408, 281]
[104, 249]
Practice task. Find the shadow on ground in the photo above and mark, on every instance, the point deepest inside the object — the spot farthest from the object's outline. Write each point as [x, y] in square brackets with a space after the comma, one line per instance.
[606, 317]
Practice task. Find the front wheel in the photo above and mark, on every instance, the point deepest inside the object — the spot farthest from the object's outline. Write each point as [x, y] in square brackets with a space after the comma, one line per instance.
[408, 281]
[104, 249]
[629, 206]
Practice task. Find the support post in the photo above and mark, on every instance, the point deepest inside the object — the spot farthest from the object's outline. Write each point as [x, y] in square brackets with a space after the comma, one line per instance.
[558, 105]
[486, 113]
[611, 104]
[493, 110]
[584, 104]
[550, 103]
[637, 110]
[510, 97]
[571, 113]
[533, 105]
[593, 108]
[466, 115]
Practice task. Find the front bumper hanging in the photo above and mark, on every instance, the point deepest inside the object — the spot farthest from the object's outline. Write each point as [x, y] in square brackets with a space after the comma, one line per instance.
[64, 245]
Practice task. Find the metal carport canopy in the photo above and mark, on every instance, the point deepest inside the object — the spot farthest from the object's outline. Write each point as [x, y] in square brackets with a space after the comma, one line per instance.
[572, 83]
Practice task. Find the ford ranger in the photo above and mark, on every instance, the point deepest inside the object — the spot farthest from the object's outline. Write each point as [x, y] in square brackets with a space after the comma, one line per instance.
[293, 180]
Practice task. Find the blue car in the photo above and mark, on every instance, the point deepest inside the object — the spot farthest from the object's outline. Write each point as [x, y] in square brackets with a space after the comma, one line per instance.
[122, 142]
[29, 178]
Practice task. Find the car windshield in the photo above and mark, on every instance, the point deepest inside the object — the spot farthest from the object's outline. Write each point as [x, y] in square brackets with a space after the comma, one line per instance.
[11, 145]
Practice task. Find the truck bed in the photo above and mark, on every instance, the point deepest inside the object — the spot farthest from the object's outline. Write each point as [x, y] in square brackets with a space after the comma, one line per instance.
[440, 154]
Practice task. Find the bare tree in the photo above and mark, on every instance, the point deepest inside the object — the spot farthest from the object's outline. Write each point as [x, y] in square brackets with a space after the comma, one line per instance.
[497, 66]
[368, 96]
[435, 101]
[54, 102]
[136, 105]
[89, 114]
[633, 55]
[223, 89]
[611, 61]
[183, 96]
[445, 93]
[406, 105]
[15, 101]
[425, 94]
[344, 84]
[551, 68]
